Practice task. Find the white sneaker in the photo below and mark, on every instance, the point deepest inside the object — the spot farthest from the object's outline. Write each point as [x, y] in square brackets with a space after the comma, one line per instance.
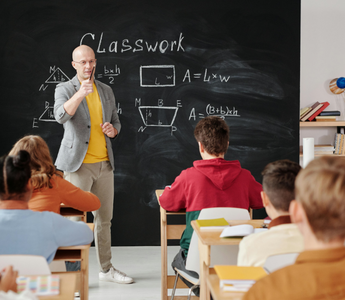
[114, 275]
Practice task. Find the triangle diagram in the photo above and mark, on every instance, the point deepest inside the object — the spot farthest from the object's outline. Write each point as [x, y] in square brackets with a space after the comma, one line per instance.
[57, 77]
[48, 115]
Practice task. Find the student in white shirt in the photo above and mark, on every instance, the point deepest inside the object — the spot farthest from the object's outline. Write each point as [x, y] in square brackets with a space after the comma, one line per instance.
[278, 185]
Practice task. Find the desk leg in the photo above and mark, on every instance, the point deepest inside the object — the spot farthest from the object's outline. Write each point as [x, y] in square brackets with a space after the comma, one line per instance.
[164, 256]
[84, 274]
[204, 252]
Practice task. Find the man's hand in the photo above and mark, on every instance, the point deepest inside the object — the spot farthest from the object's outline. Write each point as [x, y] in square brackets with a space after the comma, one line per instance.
[109, 130]
[86, 88]
[8, 280]
[72, 104]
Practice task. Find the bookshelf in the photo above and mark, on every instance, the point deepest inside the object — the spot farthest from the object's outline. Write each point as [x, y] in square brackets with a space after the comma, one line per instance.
[338, 124]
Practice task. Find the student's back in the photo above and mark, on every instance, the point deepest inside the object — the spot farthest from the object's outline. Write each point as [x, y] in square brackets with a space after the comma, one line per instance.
[278, 182]
[211, 182]
[39, 233]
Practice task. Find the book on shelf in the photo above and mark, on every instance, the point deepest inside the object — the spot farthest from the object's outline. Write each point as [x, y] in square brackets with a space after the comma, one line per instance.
[212, 224]
[325, 118]
[316, 113]
[39, 285]
[234, 278]
[323, 149]
[240, 230]
[330, 113]
[309, 109]
[303, 111]
[339, 147]
[315, 107]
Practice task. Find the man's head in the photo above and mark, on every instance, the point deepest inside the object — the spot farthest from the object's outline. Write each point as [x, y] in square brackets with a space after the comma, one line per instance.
[278, 184]
[213, 134]
[320, 198]
[83, 60]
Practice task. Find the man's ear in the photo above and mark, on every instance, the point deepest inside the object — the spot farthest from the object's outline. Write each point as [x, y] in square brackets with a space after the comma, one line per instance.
[265, 199]
[201, 147]
[73, 64]
[296, 211]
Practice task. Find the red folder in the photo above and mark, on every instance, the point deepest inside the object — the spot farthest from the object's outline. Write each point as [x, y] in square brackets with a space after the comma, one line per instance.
[325, 104]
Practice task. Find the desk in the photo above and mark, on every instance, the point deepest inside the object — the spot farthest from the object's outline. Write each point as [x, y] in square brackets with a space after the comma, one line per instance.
[67, 211]
[206, 240]
[217, 293]
[168, 232]
[77, 253]
[67, 288]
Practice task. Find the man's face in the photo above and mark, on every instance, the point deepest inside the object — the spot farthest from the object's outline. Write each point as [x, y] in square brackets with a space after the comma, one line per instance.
[84, 61]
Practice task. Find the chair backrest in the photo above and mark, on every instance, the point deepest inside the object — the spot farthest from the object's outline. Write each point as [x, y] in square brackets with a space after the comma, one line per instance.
[220, 255]
[26, 264]
[278, 261]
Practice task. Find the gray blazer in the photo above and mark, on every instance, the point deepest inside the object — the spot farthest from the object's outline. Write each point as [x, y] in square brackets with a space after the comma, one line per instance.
[77, 128]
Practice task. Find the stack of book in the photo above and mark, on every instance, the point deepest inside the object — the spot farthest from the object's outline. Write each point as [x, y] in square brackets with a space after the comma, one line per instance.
[309, 113]
[328, 116]
[238, 279]
[323, 149]
[339, 148]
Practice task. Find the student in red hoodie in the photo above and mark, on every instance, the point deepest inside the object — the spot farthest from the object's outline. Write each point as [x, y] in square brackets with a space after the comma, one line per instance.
[211, 182]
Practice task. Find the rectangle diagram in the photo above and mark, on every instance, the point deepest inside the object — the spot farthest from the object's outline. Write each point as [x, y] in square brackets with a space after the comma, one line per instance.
[157, 76]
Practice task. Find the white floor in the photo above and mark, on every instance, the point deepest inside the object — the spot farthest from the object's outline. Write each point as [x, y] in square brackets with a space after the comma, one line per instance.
[141, 263]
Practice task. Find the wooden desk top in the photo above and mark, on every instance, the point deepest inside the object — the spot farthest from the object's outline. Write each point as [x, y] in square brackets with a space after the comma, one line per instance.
[67, 287]
[213, 237]
[217, 293]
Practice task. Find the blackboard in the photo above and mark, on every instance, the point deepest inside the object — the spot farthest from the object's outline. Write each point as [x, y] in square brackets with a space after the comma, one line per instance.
[170, 63]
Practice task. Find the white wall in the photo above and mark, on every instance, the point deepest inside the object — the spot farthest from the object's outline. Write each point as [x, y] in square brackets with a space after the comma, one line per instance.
[322, 59]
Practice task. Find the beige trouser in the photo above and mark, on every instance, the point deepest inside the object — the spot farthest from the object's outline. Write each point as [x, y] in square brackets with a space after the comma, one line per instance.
[98, 178]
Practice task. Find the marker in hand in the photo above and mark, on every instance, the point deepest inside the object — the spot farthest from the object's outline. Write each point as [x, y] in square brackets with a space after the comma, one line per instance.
[93, 69]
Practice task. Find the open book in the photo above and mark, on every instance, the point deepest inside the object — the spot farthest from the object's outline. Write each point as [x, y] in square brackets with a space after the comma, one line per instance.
[234, 278]
[240, 230]
[212, 224]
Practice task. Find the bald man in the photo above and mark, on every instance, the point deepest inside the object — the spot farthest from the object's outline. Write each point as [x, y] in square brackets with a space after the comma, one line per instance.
[87, 110]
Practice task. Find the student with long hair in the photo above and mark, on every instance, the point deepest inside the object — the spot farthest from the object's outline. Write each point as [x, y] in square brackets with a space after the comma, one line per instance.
[49, 187]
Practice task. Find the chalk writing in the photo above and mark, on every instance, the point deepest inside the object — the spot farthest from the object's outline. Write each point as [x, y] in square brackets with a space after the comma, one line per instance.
[205, 76]
[158, 116]
[110, 72]
[210, 110]
[57, 76]
[46, 116]
[136, 46]
[157, 76]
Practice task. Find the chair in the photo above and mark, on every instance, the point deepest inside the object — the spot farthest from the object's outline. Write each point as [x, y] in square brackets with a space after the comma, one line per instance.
[278, 261]
[77, 253]
[26, 264]
[219, 254]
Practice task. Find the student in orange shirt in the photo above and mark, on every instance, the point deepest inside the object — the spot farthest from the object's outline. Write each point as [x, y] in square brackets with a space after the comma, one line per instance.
[319, 212]
[50, 189]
